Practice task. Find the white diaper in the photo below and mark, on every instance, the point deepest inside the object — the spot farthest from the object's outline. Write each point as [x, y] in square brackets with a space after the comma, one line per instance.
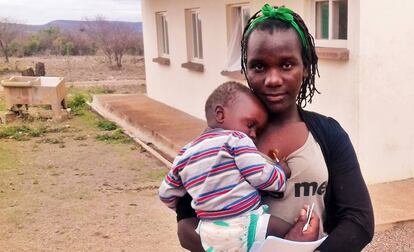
[234, 234]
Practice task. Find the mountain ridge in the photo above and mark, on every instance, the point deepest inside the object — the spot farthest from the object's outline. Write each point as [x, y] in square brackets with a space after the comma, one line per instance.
[77, 25]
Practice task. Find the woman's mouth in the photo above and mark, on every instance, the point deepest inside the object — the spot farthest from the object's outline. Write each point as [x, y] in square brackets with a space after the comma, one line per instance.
[278, 97]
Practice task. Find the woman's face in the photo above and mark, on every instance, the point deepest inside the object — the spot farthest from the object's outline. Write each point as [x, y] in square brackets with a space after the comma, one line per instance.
[275, 68]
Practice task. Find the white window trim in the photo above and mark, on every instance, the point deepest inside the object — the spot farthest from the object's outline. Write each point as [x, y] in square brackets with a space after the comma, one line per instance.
[334, 43]
[191, 35]
[162, 34]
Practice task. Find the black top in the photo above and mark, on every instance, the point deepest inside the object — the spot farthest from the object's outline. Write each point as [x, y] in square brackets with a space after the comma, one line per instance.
[348, 217]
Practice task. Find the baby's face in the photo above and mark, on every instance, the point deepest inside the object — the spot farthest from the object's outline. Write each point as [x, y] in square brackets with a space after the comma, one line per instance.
[246, 114]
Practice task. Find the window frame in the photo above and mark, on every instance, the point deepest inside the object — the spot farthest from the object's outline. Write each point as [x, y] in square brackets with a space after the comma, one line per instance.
[163, 41]
[235, 18]
[194, 35]
[242, 8]
[330, 42]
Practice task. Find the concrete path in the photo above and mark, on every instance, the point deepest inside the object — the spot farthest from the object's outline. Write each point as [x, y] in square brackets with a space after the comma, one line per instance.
[163, 127]
[168, 129]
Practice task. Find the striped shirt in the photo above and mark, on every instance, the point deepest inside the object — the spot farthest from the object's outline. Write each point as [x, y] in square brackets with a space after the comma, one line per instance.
[221, 170]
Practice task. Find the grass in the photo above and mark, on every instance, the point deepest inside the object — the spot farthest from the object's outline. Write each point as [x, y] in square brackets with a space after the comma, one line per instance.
[86, 94]
[17, 132]
[106, 125]
[24, 132]
[77, 101]
[88, 119]
[116, 136]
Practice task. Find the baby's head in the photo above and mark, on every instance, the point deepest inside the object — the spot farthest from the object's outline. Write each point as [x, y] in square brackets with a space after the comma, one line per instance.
[233, 106]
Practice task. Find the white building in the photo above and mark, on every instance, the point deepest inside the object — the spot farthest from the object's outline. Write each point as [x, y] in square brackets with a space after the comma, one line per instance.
[366, 59]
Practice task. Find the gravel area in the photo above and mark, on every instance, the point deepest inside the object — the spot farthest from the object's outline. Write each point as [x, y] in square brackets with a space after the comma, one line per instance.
[398, 238]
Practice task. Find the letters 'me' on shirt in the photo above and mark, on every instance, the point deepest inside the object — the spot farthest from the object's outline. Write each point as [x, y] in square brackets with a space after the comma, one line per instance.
[306, 185]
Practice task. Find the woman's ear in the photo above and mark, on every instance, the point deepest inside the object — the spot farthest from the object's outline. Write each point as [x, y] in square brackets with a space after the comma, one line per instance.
[219, 113]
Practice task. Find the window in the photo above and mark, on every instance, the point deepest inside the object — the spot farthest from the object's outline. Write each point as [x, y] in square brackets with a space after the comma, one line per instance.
[162, 34]
[237, 19]
[331, 22]
[194, 35]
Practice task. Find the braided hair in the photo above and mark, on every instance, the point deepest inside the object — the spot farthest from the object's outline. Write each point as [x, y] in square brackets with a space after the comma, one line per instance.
[309, 57]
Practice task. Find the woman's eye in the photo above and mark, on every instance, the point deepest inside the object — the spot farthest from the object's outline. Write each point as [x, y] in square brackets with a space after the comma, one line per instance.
[258, 67]
[287, 66]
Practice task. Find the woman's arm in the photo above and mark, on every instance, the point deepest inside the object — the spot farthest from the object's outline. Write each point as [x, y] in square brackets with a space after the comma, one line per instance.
[186, 225]
[349, 214]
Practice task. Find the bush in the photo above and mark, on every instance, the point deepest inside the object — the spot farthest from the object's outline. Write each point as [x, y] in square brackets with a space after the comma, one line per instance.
[78, 103]
[68, 48]
[32, 47]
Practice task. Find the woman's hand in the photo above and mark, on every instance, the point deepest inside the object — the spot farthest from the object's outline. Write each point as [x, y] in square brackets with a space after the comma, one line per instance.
[296, 233]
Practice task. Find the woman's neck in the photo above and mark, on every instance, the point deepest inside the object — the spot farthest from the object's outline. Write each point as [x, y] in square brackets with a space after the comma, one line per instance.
[286, 117]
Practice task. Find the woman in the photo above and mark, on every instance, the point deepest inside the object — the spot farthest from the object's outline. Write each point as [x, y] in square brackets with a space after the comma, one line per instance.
[280, 63]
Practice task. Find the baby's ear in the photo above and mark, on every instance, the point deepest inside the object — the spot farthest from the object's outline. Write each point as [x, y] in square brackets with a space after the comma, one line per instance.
[219, 113]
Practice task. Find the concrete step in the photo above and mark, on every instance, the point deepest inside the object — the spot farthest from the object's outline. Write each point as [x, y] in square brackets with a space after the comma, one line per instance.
[169, 129]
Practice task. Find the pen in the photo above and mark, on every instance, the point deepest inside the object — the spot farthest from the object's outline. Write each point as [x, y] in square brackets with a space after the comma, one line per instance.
[308, 217]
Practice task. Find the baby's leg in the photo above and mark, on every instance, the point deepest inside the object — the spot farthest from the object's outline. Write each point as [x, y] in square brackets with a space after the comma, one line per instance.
[296, 233]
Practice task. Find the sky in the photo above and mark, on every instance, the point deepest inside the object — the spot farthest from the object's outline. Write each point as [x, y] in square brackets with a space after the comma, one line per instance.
[37, 12]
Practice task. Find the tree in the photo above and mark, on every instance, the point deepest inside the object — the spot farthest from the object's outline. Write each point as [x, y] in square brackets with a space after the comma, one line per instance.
[8, 32]
[113, 38]
[82, 43]
[47, 39]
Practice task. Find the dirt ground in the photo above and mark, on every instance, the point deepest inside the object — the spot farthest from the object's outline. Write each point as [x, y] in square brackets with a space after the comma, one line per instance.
[65, 190]
[79, 68]
[84, 71]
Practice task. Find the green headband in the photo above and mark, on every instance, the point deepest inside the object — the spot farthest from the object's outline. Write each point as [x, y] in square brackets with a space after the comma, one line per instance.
[281, 13]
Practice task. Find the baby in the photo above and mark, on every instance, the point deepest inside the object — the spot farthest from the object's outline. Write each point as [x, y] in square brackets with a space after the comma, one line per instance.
[222, 170]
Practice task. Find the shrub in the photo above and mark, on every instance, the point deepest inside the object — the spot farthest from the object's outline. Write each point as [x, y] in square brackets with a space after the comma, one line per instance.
[78, 103]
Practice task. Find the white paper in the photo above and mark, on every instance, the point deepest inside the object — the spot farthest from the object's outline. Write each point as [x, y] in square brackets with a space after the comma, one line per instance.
[275, 244]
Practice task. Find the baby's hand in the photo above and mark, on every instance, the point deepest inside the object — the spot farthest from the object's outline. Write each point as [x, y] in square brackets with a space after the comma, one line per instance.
[274, 154]
[296, 233]
[285, 167]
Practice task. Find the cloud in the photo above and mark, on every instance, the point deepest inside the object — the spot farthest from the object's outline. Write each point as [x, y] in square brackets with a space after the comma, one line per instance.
[43, 11]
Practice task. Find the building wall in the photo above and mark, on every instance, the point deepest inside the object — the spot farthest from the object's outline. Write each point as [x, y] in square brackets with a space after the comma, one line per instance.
[176, 86]
[188, 90]
[386, 90]
[357, 92]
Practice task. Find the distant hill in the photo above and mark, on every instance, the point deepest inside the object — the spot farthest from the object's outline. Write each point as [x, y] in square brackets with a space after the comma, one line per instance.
[77, 25]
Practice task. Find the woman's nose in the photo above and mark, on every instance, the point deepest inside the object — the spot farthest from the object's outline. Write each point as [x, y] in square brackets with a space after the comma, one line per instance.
[273, 78]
